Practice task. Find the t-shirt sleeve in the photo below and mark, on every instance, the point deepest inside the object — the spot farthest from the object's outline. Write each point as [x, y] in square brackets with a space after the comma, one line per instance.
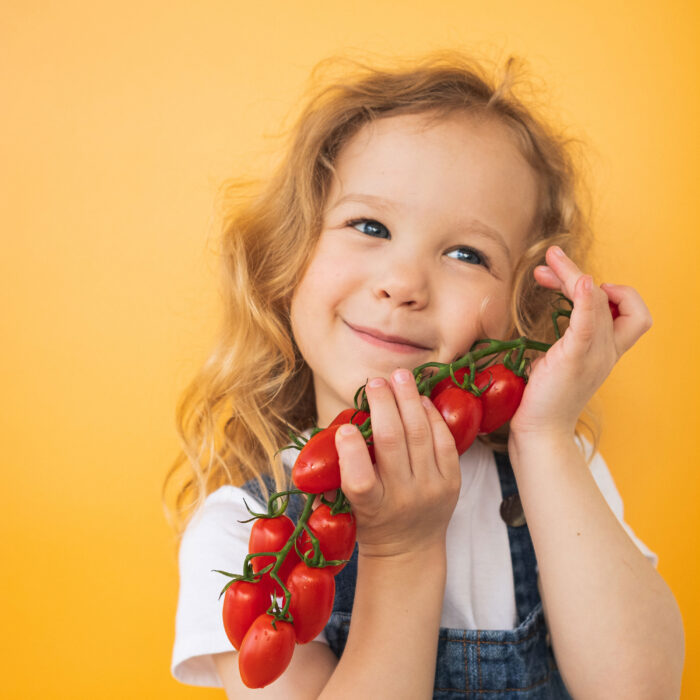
[604, 480]
[213, 539]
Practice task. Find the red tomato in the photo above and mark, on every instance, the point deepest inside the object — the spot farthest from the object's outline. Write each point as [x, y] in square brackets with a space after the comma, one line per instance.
[346, 416]
[270, 535]
[312, 592]
[336, 535]
[443, 384]
[265, 651]
[613, 309]
[501, 400]
[370, 449]
[317, 469]
[243, 602]
[462, 412]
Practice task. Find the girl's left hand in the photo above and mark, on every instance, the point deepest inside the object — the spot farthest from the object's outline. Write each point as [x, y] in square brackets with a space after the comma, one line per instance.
[564, 379]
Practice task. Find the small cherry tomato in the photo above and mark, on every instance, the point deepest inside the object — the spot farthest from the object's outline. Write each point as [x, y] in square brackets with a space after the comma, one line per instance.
[270, 535]
[614, 310]
[346, 416]
[462, 412]
[360, 417]
[312, 592]
[317, 469]
[266, 651]
[443, 384]
[501, 400]
[336, 535]
[243, 603]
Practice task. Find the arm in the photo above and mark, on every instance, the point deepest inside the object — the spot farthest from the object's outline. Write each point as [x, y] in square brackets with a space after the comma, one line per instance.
[615, 625]
[392, 645]
[402, 509]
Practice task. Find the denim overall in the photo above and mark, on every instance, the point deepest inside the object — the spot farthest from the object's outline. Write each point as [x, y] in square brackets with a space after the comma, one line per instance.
[495, 664]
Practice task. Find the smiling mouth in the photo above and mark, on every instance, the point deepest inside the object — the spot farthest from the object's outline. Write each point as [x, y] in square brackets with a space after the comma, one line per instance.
[388, 342]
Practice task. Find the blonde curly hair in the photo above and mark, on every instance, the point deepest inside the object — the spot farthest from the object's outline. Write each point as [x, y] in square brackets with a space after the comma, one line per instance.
[235, 414]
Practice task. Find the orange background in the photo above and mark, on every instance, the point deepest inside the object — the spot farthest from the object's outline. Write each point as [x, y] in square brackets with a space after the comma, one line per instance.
[118, 122]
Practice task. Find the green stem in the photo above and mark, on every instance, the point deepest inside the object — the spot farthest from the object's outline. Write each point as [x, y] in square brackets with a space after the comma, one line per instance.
[493, 347]
[308, 507]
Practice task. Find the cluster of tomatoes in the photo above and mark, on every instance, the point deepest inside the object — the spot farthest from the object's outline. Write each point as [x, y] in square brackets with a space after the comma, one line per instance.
[266, 641]
[468, 408]
[306, 557]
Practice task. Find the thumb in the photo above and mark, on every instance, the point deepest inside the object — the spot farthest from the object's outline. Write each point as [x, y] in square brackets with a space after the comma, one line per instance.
[358, 476]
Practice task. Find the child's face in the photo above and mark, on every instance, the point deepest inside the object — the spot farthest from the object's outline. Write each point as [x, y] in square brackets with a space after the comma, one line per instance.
[418, 279]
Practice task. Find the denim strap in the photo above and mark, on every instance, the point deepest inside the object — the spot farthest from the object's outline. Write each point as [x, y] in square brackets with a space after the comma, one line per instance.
[522, 553]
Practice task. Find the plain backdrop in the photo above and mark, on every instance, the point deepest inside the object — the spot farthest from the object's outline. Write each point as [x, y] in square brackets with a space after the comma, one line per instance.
[118, 122]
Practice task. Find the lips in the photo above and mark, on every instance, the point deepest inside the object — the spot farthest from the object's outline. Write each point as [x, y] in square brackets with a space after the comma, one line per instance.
[390, 342]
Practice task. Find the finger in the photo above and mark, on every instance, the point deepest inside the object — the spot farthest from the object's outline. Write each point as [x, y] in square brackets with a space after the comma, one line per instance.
[546, 277]
[416, 427]
[564, 268]
[445, 450]
[634, 319]
[358, 476]
[388, 436]
[589, 318]
[591, 312]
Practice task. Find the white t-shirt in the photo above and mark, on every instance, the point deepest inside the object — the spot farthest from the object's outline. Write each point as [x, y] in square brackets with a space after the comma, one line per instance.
[479, 590]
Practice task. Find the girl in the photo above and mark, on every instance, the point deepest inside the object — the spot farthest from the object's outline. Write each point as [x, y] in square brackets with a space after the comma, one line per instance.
[419, 209]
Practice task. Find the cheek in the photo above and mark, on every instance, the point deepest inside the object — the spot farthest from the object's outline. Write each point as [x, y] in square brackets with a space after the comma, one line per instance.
[481, 315]
[301, 314]
[312, 303]
[309, 290]
[305, 327]
[322, 278]
[494, 316]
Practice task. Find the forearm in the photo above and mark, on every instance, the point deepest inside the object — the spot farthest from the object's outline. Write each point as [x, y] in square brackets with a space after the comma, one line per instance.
[391, 649]
[615, 625]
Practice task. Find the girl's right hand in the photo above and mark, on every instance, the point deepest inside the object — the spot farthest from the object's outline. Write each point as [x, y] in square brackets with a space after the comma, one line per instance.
[404, 504]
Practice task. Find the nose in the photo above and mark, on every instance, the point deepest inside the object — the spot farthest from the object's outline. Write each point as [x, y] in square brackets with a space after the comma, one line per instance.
[403, 282]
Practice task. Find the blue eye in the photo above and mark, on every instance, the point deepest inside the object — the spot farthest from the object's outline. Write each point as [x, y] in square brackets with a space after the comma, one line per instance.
[469, 255]
[373, 228]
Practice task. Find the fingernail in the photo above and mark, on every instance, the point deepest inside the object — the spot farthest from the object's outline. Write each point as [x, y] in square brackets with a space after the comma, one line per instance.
[347, 429]
[588, 283]
[427, 403]
[558, 251]
[376, 383]
[402, 376]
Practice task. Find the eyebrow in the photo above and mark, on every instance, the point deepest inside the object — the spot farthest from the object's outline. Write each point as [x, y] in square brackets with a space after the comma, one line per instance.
[470, 224]
[379, 202]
